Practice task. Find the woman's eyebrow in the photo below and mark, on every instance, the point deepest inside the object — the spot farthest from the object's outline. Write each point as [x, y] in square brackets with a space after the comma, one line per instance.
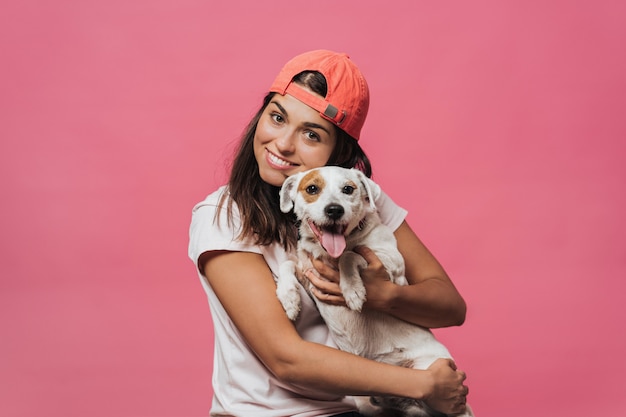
[281, 108]
[316, 126]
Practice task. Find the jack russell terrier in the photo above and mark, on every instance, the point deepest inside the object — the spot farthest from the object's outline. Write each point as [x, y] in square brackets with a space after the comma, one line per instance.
[336, 210]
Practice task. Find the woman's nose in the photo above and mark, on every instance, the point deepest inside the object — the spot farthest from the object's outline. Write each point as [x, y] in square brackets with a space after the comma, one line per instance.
[286, 142]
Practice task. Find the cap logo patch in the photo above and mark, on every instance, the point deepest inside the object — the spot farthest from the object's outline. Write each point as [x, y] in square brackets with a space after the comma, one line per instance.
[331, 112]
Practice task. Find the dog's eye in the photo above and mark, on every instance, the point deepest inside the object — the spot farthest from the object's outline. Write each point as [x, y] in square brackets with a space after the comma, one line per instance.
[348, 189]
[312, 189]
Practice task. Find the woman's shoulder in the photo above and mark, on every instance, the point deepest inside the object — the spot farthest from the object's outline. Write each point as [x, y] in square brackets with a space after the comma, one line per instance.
[390, 213]
[214, 199]
[218, 209]
[216, 202]
[214, 227]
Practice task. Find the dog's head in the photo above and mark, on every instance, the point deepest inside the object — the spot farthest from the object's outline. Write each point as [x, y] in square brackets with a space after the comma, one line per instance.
[332, 201]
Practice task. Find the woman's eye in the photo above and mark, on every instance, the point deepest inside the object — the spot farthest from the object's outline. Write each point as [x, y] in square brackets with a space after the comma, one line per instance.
[348, 189]
[312, 189]
[277, 117]
[312, 136]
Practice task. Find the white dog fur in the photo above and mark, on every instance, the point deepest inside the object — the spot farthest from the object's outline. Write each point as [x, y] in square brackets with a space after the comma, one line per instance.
[337, 213]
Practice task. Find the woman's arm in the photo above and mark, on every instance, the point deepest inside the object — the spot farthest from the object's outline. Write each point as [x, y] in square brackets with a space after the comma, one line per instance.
[431, 300]
[244, 284]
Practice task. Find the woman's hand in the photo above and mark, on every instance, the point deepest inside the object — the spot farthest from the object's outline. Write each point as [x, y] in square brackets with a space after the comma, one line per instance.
[449, 395]
[325, 280]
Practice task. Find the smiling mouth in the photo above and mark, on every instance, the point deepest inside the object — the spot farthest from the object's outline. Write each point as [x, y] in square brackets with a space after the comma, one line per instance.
[279, 162]
[330, 237]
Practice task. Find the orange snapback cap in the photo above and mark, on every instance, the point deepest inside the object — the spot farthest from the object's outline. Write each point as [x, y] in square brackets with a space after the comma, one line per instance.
[347, 98]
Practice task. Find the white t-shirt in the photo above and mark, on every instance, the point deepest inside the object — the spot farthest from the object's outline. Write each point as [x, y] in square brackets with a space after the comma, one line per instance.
[242, 385]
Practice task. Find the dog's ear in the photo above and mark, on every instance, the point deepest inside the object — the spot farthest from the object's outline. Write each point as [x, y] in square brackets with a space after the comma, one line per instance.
[372, 190]
[288, 193]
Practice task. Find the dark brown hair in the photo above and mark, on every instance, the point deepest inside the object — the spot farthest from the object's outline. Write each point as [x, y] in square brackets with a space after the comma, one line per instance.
[258, 201]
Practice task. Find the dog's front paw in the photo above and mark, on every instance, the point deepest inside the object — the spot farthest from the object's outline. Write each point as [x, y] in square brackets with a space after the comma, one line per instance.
[287, 290]
[290, 299]
[350, 282]
[355, 296]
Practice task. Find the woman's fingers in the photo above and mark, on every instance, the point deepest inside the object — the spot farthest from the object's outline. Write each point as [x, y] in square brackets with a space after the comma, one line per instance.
[329, 272]
[324, 290]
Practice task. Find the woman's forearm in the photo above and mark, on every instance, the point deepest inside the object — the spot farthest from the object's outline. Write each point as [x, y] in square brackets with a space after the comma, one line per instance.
[431, 299]
[337, 372]
[330, 370]
[430, 303]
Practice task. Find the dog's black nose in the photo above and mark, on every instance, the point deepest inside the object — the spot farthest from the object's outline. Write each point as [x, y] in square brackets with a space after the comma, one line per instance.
[334, 211]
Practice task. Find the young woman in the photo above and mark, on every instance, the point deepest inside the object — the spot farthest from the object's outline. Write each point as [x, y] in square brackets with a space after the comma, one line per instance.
[265, 365]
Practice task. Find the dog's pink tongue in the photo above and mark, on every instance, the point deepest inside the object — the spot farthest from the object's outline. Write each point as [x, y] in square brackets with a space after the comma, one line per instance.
[334, 243]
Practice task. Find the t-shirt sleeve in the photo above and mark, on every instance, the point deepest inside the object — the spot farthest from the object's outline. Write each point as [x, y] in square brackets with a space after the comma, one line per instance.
[209, 232]
[390, 213]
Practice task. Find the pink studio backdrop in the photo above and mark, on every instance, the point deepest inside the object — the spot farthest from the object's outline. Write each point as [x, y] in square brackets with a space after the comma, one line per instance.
[499, 125]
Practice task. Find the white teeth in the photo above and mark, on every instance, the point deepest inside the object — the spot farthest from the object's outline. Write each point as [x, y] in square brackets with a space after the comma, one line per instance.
[276, 160]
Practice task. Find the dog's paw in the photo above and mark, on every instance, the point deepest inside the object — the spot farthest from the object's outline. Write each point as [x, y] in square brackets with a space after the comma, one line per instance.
[292, 312]
[399, 280]
[290, 299]
[355, 297]
[287, 289]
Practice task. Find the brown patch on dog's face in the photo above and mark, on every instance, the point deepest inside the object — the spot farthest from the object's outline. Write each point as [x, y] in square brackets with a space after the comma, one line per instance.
[311, 186]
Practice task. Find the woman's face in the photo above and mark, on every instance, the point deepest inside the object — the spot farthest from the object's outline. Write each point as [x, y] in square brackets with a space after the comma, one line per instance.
[291, 137]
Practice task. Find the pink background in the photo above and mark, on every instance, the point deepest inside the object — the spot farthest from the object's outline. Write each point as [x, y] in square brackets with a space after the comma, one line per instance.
[499, 125]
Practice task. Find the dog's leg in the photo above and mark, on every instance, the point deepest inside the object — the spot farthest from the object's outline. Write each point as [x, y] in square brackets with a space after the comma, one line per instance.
[350, 281]
[287, 289]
